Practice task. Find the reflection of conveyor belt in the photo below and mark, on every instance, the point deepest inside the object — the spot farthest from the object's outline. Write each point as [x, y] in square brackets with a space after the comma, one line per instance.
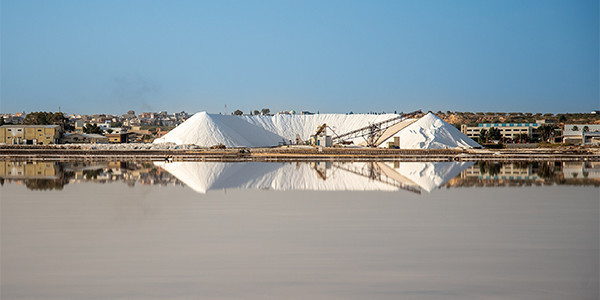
[374, 172]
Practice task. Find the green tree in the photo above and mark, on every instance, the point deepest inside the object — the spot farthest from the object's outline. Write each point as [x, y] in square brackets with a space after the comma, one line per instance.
[483, 136]
[256, 112]
[48, 118]
[546, 131]
[522, 137]
[238, 112]
[575, 128]
[495, 134]
[586, 128]
[265, 111]
[92, 128]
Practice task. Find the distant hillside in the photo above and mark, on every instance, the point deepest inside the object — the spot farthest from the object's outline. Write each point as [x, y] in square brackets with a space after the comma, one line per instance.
[471, 119]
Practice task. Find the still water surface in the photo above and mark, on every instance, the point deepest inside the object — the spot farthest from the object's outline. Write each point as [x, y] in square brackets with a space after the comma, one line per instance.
[320, 230]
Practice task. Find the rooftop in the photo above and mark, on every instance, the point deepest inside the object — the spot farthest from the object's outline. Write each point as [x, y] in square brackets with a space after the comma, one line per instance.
[30, 126]
[89, 135]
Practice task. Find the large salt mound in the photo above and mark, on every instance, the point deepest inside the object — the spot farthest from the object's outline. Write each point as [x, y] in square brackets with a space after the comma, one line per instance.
[206, 130]
[203, 129]
[431, 132]
[288, 126]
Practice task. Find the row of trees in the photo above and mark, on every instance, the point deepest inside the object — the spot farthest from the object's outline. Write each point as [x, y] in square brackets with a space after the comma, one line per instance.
[494, 134]
[264, 111]
[92, 128]
[584, 129]
[48, 118]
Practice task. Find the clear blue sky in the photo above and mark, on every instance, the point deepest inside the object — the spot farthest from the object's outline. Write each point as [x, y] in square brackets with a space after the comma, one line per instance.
[329, 56]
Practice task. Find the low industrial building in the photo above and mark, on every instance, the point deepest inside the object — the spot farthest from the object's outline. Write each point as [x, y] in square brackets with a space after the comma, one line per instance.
[320, 138]
[117, 138]
[581, 134]
[83, 138]
[30, 134]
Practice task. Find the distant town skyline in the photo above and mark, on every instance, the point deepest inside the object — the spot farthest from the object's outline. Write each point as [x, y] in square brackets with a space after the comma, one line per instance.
[109, 56]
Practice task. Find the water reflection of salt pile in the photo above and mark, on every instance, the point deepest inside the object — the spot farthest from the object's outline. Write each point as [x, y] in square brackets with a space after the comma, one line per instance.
[315, 176]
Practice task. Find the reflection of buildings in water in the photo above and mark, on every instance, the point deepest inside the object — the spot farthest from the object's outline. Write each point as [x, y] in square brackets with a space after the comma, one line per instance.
[318, 176]
[529, 173]
[36, 175]
[28, 170]
[323, 176]
[575, 170]
[507, 171]
[129, 172]
[54, 175]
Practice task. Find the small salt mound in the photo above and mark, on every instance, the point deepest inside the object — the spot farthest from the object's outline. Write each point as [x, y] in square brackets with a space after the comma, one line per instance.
[431, 132]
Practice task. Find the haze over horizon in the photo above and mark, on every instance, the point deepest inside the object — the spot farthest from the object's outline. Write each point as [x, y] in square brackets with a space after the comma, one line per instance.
[321, 56]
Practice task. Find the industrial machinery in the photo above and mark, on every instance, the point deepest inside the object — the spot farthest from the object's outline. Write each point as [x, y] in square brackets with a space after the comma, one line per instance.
[372, 132]
[320, 138]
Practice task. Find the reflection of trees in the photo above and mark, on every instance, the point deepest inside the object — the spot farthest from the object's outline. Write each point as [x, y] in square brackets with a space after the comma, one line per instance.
[45, 184]
[92, 174]
[490, 168]
[129, 172]
[548, 173]
[545, 169]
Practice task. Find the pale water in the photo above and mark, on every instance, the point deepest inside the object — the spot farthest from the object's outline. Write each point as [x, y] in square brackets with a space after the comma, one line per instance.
[321, 230]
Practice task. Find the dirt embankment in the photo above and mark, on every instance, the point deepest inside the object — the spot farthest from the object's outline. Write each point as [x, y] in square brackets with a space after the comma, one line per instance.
[297, 154]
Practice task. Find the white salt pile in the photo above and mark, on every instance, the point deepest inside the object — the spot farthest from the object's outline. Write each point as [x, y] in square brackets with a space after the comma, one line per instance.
[431, 132]
[288, 126]
[206, 130]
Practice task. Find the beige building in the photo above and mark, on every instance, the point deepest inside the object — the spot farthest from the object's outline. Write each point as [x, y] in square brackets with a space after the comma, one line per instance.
[508, 130]
[30, 134]
[116, 138]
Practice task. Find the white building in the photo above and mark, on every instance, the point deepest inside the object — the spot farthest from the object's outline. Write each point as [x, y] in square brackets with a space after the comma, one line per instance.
[574, 133]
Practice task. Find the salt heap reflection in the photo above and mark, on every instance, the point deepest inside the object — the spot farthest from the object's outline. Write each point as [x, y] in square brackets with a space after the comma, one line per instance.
[315, 176]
